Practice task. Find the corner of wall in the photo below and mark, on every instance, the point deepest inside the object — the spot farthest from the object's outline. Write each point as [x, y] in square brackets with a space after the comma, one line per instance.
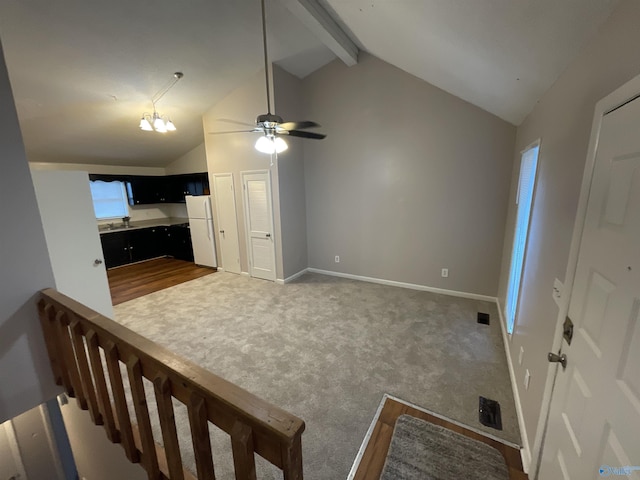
[525, 452]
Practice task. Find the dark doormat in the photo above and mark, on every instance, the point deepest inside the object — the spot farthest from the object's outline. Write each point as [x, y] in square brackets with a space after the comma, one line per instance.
[420, 450]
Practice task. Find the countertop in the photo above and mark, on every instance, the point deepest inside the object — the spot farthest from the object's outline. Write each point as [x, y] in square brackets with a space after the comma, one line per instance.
[138, 224]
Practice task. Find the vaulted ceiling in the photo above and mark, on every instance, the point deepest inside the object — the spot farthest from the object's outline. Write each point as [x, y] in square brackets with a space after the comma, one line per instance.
[82, 73]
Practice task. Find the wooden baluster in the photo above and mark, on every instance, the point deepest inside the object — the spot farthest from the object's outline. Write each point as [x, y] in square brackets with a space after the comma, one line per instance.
[243, 456]
[162, 388]
[44, 311]
[126, 432]
[54, 319]
[200, 436]
[292, 460]
[62, 321]
[85, 375]
[104, 401]
[149, 455]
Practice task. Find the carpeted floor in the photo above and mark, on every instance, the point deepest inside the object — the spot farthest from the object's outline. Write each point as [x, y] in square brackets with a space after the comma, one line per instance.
[327, 349]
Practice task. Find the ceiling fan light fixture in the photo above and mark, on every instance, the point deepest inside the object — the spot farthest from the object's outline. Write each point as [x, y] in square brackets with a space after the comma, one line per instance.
[265, 144]
[170, 126]
[280, 145]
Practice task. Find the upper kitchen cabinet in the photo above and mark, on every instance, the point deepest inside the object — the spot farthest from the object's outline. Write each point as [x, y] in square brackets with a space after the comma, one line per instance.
[150, 189]
[189, 184]
[146, 189]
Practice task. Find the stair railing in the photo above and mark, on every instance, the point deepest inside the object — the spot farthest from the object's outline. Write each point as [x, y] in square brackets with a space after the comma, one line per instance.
[87, 350]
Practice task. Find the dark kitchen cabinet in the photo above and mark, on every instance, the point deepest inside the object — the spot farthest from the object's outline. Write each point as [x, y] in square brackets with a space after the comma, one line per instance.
[147, 243]
[144, 190]
[115, 247]
[180, 243]
[190, 184]
[150, 189]
[121, 248]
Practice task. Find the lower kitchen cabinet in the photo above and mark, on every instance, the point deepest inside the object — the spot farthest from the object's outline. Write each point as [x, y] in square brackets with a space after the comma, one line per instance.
[121, 248]
[147, 243]
[115, 247]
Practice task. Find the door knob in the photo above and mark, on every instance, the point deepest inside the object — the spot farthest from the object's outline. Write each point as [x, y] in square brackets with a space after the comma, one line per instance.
[97, 262]
[268, 235]
[222, 232]
[555, 358]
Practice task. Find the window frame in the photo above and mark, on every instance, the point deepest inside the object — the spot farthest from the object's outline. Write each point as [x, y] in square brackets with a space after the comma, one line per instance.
[123, 199]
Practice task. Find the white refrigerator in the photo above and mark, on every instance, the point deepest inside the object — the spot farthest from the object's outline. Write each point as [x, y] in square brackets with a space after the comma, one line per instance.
[201, 226]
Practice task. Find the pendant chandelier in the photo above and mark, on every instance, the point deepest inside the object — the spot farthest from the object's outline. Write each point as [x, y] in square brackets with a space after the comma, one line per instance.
[156, 122]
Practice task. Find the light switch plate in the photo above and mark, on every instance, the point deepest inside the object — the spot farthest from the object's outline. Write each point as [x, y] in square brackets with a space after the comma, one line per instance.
[558, 287]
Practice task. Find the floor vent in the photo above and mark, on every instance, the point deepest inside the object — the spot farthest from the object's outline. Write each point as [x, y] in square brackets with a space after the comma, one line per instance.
[490, 413]
[483, 318]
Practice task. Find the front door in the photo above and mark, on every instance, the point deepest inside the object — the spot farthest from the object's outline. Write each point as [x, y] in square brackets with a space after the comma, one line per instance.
[259, 220]
[227, 222]
[594, 419]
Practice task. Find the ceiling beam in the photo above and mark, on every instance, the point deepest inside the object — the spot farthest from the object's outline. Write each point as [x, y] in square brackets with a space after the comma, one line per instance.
[318, 20]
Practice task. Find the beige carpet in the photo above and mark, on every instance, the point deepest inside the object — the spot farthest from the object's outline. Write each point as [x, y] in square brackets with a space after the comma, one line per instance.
[327, 349]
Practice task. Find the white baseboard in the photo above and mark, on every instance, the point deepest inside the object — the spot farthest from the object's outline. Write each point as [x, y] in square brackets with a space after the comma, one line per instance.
[412, 286]
[291, 278]
[525, 451]
[245, 274]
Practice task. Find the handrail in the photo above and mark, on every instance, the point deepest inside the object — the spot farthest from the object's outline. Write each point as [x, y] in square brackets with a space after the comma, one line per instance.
[80, 341]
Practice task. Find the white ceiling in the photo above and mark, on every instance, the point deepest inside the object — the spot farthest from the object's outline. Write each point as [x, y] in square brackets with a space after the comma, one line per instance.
[84, 71]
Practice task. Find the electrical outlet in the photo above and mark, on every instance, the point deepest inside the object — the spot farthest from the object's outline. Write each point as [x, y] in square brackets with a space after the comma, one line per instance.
[445, 272]
[337, 258]
[520, 355]
[527, 379]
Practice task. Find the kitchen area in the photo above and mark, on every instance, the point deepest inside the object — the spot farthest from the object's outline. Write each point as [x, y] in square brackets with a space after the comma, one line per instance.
[135, 237]
[144, 254]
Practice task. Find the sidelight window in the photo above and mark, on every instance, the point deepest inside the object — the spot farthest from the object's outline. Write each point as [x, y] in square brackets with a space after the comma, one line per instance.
[524, 201]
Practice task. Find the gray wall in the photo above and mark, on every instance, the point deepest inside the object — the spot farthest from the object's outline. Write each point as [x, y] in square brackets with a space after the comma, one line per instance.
[25, 374]
[293, 215]
[410, 179]
[562, 120]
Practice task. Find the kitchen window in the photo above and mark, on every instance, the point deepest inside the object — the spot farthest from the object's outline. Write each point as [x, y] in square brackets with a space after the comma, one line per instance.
[109, 199]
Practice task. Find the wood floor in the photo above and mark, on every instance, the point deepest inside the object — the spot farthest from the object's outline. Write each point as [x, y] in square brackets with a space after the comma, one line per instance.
[133, 281]
[374, 456]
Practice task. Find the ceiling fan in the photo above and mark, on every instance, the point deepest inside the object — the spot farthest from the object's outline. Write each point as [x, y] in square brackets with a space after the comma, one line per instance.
[271, 126]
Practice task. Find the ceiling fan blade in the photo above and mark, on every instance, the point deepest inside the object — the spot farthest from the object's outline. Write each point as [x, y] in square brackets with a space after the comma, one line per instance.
[235, 131]
[298, 125]
[298, 133]
[237, 122]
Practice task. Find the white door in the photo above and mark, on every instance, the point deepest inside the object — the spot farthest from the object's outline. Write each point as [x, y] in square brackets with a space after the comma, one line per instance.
[73, 241]
[227, 222]
[259, 219]
[594, 419]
